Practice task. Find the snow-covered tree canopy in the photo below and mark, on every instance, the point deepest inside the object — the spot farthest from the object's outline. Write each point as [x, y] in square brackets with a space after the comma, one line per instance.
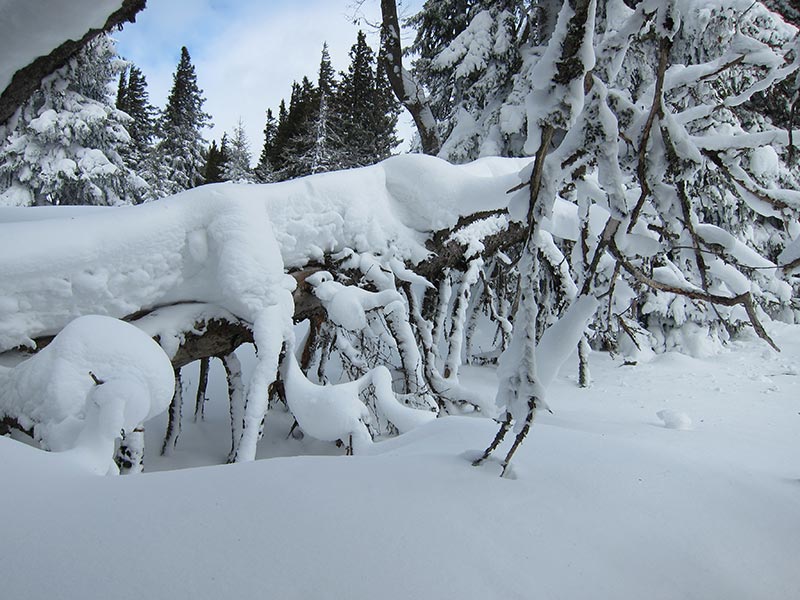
[61, 30]
[651, 206]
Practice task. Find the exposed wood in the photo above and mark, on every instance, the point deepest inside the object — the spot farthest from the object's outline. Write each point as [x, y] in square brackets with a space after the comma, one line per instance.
[218, 338]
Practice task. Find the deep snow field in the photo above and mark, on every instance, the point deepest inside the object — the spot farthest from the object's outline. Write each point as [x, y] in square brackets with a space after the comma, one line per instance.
[605, 500]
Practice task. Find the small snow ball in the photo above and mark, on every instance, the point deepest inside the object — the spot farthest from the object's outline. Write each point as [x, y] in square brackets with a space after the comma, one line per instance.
[765, 164]
[673, 419]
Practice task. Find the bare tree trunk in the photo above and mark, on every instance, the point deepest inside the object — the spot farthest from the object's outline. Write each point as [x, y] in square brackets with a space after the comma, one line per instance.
[405, 87]
[202, 385]
[174, 423]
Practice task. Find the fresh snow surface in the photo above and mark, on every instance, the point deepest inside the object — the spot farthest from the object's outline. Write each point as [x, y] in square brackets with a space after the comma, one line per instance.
[607, 502]
[54, 24]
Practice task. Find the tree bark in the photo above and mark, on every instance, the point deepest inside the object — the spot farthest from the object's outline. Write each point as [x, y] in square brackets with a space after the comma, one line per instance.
[408, 91]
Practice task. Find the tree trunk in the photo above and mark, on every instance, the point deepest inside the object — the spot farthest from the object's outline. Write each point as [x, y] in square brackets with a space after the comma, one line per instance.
[408, 91]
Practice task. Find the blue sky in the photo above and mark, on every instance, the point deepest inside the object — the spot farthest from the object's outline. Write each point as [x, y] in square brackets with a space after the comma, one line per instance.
[246, 52]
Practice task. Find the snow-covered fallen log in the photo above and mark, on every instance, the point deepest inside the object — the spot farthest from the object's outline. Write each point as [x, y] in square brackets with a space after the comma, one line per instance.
[412, 265]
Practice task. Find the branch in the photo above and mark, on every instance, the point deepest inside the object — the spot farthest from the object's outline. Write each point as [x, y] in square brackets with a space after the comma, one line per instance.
[745, 300]
[656, 110]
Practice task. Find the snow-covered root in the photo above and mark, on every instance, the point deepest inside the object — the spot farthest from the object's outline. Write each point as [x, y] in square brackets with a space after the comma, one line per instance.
[584, 375]
[358, 311]
[130, 454]
[271, 329]
[457, 332]
[335, 413]
[233, 375]
[97, 378]
[202, 385]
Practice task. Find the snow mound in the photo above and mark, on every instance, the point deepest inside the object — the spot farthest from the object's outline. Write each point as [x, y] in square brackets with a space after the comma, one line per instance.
[673, 419]
[98, 377]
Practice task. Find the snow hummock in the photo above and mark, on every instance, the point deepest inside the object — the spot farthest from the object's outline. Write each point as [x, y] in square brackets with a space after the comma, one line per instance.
[99, 376]
[674, 419]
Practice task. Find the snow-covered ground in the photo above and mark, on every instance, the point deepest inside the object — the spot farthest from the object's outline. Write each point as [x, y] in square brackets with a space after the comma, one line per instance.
[606, 500]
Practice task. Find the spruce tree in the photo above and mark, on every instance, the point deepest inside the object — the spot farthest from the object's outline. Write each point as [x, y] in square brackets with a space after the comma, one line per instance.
[265, 170]
[294, 142]
[133, 99]
[67, 145]
[122, 89]
[367, 107]
[384, 115]
[237, 166]
[180, 152]
[215, 160]
[321, 145]
[356, 102]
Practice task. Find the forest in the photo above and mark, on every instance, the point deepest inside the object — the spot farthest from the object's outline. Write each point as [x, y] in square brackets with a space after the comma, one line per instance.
[597, 219]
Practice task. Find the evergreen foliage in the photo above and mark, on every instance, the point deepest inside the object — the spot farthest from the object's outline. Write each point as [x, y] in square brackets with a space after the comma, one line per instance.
[216, 157]
[133, 99]
[66, 144]
[180, 152]
[265, 171]
[333, 124]
[236, 166]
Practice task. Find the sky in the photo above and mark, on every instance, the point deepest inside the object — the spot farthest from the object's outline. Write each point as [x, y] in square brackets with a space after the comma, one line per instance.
[247, 52]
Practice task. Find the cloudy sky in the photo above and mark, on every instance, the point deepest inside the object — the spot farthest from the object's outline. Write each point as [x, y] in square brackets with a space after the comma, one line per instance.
[246, 52]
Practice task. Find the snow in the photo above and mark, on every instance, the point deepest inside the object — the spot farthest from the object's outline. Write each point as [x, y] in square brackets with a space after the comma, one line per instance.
[56, 392]
[675, 420]
[122, 260]
[628, 508]
[54, 23]
[327, 412]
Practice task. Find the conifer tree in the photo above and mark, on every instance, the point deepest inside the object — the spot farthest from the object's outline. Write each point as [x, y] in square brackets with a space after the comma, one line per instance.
[385, 113]
[122, 89]
[356, 101]
[133, 99]
[66, 146]
[321, 140]
[280, 140]
[294, 143]
[180, 152]
[237, 166]
[215, 161]
[265, 170]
